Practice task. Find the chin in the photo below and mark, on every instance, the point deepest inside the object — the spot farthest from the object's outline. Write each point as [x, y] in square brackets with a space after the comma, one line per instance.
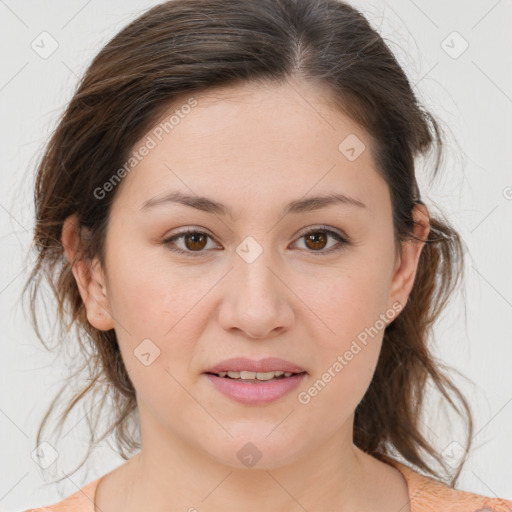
[257, 452]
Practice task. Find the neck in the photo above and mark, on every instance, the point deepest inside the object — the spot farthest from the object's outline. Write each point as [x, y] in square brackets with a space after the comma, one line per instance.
[165, 473]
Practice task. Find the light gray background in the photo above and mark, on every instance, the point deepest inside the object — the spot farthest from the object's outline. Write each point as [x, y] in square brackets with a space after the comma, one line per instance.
[470, 94]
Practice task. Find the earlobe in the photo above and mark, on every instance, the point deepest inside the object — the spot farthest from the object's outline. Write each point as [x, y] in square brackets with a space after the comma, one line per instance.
[406, 269]
[89, 277]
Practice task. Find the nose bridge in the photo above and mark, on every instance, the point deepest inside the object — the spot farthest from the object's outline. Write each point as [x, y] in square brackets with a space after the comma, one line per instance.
[257, 303]
[253, 270]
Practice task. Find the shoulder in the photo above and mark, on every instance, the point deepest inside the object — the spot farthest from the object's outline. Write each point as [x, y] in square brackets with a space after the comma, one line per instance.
[427, 494]
[80, 501]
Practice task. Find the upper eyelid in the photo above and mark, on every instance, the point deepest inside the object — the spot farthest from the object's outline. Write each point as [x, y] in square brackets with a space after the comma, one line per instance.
[301, 233]
[337, 231]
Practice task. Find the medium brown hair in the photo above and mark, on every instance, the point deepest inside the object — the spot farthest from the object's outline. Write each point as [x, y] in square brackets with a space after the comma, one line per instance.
[185, 46]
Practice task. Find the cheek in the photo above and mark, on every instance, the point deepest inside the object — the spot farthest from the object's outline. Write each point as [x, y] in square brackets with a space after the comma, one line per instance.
[151, 308]
[148, 295]
[349, 357]
[346, 357]
[333, 395]
[353, 312]
[350, 303]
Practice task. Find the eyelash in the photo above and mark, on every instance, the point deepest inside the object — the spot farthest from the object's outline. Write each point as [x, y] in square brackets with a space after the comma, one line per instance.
[343, 241]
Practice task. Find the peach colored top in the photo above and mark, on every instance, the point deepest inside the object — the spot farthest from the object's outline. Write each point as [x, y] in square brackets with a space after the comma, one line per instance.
[425, 495]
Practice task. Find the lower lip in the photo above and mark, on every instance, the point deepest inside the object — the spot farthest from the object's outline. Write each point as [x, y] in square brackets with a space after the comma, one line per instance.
[255, 393]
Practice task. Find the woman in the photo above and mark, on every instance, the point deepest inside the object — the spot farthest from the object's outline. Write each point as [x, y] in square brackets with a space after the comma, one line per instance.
[228, 212]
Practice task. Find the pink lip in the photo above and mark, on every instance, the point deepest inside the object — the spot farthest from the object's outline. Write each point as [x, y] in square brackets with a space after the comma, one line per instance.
[255, 393]
[269, 364]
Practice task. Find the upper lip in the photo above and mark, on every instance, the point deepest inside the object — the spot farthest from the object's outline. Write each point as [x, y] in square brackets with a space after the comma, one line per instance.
[269, 364]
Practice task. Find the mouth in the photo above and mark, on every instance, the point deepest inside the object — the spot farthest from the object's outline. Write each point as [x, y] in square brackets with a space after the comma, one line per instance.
[255, 382]
[255, 388]
[255, 377]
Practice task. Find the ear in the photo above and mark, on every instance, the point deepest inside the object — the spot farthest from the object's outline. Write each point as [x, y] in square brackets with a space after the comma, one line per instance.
[406, 265]
[89, 276]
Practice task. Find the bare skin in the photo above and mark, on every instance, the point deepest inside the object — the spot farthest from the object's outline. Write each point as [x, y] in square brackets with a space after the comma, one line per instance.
[253, 149]
[384, 489]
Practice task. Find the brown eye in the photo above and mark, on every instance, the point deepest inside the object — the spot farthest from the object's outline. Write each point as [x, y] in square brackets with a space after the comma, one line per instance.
[194, 242]
[316, 241]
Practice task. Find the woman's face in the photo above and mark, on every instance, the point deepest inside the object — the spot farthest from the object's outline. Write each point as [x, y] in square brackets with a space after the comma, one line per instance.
[258, 279]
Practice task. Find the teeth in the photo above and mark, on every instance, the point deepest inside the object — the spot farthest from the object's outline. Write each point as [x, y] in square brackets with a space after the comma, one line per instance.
[244, 375]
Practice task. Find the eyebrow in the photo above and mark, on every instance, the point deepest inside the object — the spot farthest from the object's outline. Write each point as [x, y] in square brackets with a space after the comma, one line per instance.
[205, 204]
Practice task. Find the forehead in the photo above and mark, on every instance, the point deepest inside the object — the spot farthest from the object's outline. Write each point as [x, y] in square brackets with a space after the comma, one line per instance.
[254, 142]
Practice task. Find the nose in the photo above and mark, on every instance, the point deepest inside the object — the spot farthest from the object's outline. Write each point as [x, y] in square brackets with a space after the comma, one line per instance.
[257, 300]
